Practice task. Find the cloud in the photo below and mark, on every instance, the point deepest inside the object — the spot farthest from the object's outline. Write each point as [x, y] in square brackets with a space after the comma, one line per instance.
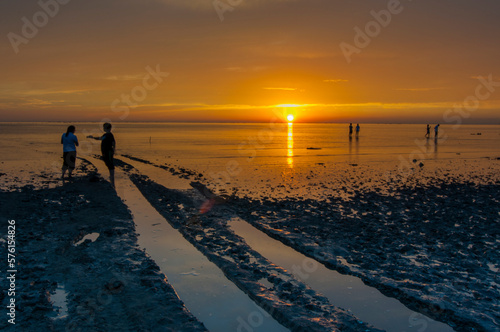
[335, 81]
[246, 69]
[209, 4]
[125, 77]
[419, 89]
[283, 89]
[477, 77]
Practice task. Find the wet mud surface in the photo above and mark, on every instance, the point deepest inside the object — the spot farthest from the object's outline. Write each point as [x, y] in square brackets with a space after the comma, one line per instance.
[109, 283]
[429, 239]
[431, 243]
[202, 219]
[436, 249]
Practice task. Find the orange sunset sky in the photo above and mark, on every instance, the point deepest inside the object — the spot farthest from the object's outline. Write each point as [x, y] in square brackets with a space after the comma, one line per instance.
[236, 60]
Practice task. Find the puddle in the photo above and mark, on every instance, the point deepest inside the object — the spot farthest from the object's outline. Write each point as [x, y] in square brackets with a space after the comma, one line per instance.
[92, 237]
[159, 175]
[200, 284]
[493, 267]
[59, 302]
[344, 291]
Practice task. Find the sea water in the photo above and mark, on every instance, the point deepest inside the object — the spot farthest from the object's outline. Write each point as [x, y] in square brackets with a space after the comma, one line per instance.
[204, 143]
[242, 156]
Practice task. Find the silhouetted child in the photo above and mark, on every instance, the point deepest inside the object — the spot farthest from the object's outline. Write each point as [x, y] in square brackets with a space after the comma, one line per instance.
[69, 142]
[108, 145]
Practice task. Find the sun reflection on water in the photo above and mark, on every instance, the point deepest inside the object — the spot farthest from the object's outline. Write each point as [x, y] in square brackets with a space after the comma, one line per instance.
[290, 144]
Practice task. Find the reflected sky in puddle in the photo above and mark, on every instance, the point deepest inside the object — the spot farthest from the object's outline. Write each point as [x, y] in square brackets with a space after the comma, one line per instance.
[59, 302]
[344, 291]
[200, 284]
[92, 237]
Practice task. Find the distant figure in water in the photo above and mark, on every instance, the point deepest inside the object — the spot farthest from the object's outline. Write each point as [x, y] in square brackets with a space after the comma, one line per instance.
[357, 129]
[428, 134]
[436, 131]
[350, 129]
[69, 142]
[108, 145]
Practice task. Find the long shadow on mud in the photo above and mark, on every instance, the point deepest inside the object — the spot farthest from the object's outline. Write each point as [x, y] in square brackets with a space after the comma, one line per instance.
[287, 299]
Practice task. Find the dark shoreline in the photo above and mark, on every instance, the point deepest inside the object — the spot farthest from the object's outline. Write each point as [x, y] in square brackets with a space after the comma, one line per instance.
[111, 283]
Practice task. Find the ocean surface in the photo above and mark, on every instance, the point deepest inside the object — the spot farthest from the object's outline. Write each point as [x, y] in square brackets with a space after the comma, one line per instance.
[240, 155]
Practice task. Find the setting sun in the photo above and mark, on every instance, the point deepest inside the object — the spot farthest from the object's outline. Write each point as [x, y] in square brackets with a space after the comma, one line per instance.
[290, 118]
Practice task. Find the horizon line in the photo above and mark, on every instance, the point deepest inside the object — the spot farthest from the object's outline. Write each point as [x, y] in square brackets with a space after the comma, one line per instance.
[489, 123]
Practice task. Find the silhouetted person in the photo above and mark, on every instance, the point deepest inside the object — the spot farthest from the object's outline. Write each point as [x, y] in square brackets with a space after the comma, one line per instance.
[436, 131]
[357, 129]
[69, 142]
[108, 145]
[350, 129]
[428, 134]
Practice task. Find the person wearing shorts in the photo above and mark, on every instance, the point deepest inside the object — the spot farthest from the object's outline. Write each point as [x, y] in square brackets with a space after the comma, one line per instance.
[69, 142]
